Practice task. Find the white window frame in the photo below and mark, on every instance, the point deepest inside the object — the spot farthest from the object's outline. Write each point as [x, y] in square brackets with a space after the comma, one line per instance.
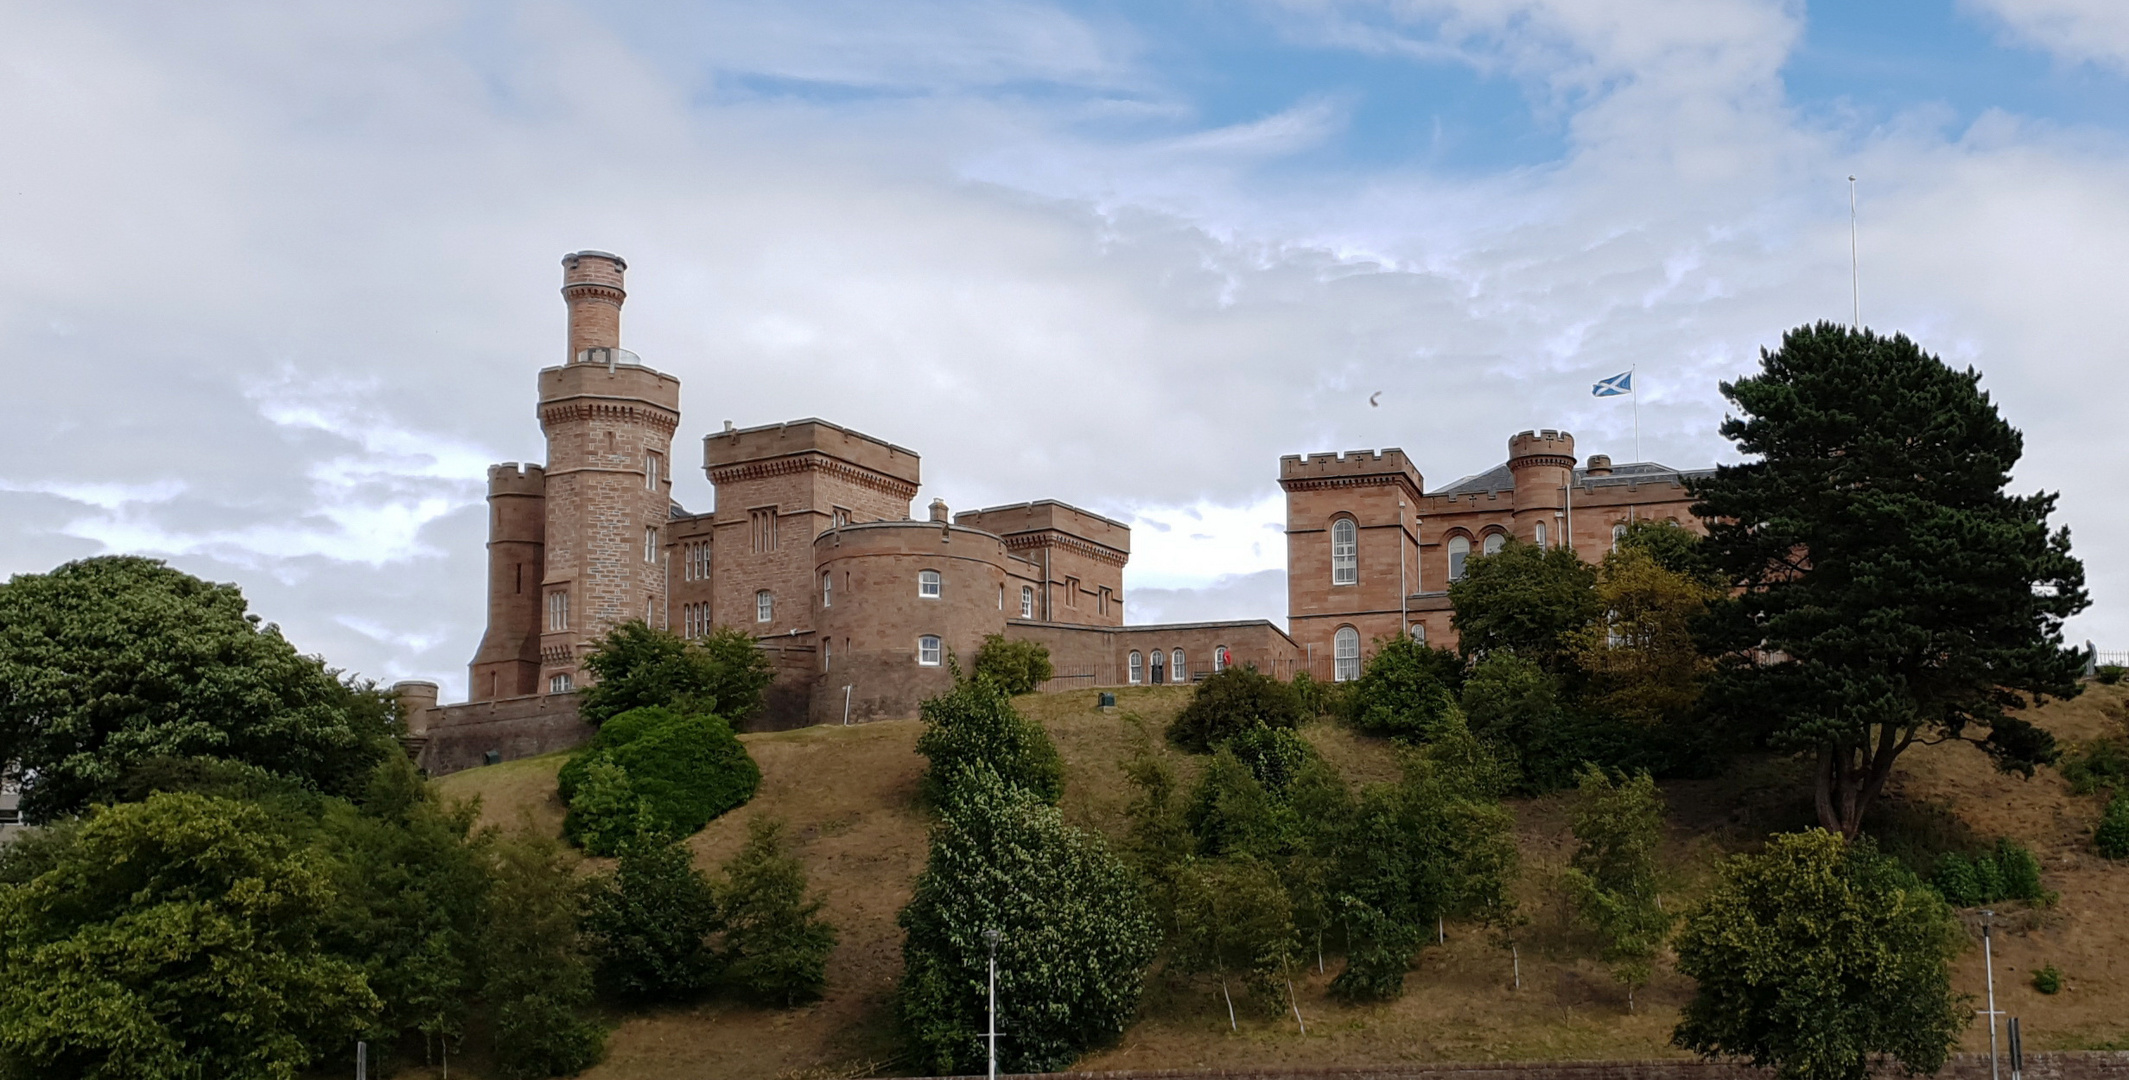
[1027, 601]
[1459, 555]
[1618, 534]
[1419, 633]
[931, 652]
[560, 683]
[764, 606]
[650, 543]
[1177, 672]
[827, 588]
[1136, 668]
[1219, 659]
[651, 470]
[827, 654]
[931, 585]
[1493, 543]
[558, 610]
[1345, 655]
[1345, 552]
[1540, 534]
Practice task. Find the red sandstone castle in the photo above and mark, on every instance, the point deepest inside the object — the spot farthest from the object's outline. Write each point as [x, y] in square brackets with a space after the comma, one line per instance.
[811, 548]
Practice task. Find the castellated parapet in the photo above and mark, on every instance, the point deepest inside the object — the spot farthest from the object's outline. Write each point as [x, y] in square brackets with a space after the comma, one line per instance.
[1351, 468]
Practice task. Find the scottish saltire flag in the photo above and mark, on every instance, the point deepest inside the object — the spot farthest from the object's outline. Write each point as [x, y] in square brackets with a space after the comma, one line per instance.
[1622, 383]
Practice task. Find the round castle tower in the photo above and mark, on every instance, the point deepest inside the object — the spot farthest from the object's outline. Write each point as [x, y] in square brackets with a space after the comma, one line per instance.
[508, 661]
[1543, 464]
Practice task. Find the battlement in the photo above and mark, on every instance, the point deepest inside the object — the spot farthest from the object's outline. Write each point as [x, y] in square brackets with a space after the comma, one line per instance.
[1546, 443]
[1388, 464]
[746, 446]
[1048, 515]
[511, 478]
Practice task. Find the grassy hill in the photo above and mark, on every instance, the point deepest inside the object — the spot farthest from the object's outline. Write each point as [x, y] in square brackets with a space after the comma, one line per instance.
[849, 797]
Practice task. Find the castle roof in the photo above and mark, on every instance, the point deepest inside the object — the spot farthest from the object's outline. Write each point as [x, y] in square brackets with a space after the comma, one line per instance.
[1499, 478]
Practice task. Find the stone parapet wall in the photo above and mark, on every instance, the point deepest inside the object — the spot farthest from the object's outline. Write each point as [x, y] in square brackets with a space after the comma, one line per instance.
[459, 736]
[2067, 1065]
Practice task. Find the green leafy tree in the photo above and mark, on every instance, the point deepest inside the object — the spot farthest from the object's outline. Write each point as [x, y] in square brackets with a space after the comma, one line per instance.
[1236, 921]
[1816, 955]
[974, 723]
[1405, 689]
[1675, 548]
[172, 938]
[1157, 840]
[1612, 876]
[1075, 934]
[1525, 598]
[1644, 663]
[1016, 666]
[648, 923]
[638, 666]
[687, 770]
[1230, 702]
[538, 975]
[110, 662]
[776, 945]
[1893, 591]
[2009, 872]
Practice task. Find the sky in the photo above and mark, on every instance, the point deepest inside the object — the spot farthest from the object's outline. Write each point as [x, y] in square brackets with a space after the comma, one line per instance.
[276, 278]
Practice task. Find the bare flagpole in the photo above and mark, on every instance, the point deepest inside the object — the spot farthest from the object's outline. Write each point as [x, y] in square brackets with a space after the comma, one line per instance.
[1855, 279]
[1634, 391]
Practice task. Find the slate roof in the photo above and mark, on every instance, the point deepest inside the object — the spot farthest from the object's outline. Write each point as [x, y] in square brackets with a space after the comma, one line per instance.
[1499, 478]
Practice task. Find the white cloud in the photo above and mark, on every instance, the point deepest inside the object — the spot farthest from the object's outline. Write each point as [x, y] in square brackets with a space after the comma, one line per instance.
[2080, 31]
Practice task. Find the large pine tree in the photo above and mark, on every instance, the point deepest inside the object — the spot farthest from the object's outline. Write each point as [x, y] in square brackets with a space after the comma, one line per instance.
[1892, 591]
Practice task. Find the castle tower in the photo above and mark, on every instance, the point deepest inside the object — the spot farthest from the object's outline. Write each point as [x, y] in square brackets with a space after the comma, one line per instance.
[609, 423]
[1352, 556]
[508, 662]
[1543, 465]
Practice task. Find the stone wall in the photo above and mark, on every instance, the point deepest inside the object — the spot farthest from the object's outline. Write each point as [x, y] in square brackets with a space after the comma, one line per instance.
[458, 736]
[2070, 1065]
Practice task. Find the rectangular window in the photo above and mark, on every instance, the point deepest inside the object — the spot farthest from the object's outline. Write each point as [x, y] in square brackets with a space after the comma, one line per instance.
[1101, 600]
[764, 606]
[1345, 552]
[558, 610]
[841, 517]
[1027, 602]
[928, 584]
[560, 683]
[928, 651]
[653, 469]
[650, 543]
[1071, 591]
[827, 654]
[763, 521]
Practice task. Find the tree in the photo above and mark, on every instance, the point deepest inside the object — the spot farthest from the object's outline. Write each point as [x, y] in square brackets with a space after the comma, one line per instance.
[638, 666]
[1074, 933]
[172, 938]
[1893, 592]
[649, 921]
[776, 946]
[110, 662]
[1235, 919]
[1016, 666]
[975, 723]
[1817, 954]
[1612, 874]
[1405, 689]
[1525, 598]
[1645, 666]
[687, 770]
[538, 978]
[1229, 702]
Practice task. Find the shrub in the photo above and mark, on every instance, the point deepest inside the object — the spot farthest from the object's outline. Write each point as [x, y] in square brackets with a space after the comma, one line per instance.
[2112, 837]
[2048, 980]
[1273, 755]
[975, 723]
[1405, 690]
[686, 770]
[649, 922]
[1316, 697]
[2099, 765]
[641, 667]
[2008, 872]
[1230, 702]
[538, 978]
[2109, 674]
[1016, 666]
[775, 946]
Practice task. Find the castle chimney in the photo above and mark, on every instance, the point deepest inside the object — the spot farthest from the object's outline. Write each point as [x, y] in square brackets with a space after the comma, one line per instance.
[591, 285]
[938, 511]
[1599, 465]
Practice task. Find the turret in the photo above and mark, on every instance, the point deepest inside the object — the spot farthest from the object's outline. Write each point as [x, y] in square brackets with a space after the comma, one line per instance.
[1543, 464]
[508, 661]
[591, 286]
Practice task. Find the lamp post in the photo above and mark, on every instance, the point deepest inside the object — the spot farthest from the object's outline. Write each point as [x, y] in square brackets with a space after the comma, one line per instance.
[991, 937]
[1988, 961]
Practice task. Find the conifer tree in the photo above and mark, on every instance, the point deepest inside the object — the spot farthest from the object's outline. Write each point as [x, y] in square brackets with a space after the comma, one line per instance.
[776, 945]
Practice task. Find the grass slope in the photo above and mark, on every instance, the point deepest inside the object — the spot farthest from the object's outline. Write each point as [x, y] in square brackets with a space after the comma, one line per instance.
[848, 796]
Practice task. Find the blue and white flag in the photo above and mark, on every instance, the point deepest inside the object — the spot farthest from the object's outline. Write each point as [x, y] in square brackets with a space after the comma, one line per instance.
[1622, 383]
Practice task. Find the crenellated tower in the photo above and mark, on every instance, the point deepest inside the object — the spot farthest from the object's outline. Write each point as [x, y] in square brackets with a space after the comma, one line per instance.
[508, 662]
[1543, 465]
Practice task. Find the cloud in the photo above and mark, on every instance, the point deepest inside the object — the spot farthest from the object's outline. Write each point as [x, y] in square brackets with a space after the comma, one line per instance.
[2079, 31]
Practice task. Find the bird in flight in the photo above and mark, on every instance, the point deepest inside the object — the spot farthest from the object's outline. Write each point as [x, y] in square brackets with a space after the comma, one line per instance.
[1373, 400]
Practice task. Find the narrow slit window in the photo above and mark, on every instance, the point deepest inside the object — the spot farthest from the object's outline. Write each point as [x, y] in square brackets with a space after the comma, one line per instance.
[1027, 601]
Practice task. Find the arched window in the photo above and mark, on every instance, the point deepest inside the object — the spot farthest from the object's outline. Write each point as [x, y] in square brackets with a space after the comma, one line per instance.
[1182, 674]
[1158, 674]
[1219, 658]
[1027, 601]
[1459, 550]
[1345, 654]
[928, 651]
[827, 590]
[928, 584]
[1495, 542]
[1138, 668]
[1345, 552]
[1419, 633]
[764, 606]
[1539, 534]
[1618, 534]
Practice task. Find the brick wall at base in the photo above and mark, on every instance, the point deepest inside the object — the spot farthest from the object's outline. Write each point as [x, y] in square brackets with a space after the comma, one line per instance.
[519, 727]
[2068, 1065]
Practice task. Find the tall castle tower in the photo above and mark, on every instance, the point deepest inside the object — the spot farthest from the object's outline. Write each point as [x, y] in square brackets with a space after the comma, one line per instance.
[578, 547]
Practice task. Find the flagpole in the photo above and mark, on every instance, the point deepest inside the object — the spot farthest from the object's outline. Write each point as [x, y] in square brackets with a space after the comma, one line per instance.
[1634, 390]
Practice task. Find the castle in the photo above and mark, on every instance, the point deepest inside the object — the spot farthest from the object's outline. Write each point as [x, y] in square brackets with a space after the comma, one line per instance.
[811, 548]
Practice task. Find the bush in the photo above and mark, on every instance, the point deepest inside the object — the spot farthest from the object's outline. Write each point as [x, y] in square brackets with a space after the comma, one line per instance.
[776, 945]
[538, 977]
[1230, 702]
[2112, 837]
[686, 770]
[1273, 755]
[2009, 872]
[1405, 690]
[975, 723]
[640, 667]
[1016, 666]
[649, 923]
[2048, 980]
[2099, 765]
[1318, 698]
[2109, 674]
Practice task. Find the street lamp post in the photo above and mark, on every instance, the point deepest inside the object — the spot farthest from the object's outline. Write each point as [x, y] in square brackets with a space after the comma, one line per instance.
[1988, 961]
[991, 938]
